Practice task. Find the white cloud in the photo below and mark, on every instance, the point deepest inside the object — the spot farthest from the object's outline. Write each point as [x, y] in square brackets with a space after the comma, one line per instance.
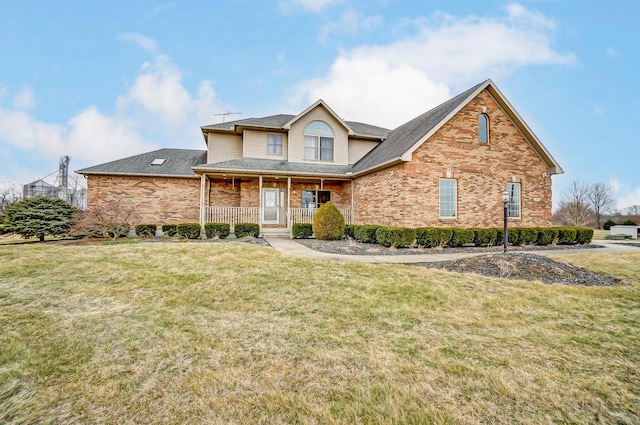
[24, 99]
[142, 41]
[369, 89]
[350, 23]
[445, 52]
[312, 5]
[158, 110]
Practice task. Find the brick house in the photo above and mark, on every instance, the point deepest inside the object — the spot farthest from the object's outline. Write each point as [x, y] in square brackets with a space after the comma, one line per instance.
[446, 167]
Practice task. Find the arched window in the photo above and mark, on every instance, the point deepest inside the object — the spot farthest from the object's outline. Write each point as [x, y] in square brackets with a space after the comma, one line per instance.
[318, 141]
[483, 128]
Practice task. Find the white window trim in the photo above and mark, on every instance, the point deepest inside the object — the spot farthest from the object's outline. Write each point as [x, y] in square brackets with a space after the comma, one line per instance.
[519, 216]
[318, 144]
[281, 145]
[487, 132]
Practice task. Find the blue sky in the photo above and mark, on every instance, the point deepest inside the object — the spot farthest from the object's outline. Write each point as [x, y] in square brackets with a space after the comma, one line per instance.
[102, 80]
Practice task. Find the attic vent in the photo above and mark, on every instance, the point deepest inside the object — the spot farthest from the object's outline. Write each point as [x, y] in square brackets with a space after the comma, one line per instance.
[158, 161]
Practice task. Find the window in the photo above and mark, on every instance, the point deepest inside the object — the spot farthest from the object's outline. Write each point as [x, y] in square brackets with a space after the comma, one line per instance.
[513, 207]
[483, 128]
[274, 144]
[158, 161]
[315, 198]
[318, 141]
[448, 197]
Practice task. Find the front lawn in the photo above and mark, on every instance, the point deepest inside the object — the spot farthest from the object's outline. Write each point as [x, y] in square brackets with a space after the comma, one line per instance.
[178, 333]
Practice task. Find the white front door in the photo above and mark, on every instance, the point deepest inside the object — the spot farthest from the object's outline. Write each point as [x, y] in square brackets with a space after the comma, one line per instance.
[271, 212]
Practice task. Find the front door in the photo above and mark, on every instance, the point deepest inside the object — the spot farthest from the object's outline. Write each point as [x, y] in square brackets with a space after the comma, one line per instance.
[270, 204]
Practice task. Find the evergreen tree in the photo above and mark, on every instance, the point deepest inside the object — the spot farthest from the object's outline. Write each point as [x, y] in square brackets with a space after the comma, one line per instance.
[39, 216]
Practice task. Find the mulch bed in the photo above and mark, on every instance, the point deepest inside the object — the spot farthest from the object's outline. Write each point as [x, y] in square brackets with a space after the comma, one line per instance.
[523, 266]
[352, 247]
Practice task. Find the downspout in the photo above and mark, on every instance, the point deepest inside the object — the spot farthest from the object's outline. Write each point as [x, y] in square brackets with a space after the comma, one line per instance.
[289, 205]
[260, 202]
[202, 208]
[353, 209]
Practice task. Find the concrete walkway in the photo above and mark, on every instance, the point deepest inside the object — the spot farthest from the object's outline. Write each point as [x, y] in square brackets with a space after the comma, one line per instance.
[291, 247]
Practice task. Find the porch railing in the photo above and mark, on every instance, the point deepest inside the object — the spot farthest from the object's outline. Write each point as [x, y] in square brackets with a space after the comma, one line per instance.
[231, 215]
[305, 215]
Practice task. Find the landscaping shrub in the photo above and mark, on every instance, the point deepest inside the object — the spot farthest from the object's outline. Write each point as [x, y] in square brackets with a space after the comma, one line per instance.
[629, 223]
[430, 237]
[350, 229]
[584, 235]
[144, 230]
[462, 237]
[566, 235]
[499, 236]
[514, 236]
[607, 224]
[328, 223]
[485, 237]
[302, 230]
[221, 230]
[366, 233]
[169, 229]
[547, 235]
[395, 236]
[188, 230]
[528, 235]
[242, 230]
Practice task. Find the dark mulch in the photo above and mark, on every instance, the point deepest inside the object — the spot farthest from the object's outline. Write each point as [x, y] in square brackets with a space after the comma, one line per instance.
[352, 247]
[523, 266]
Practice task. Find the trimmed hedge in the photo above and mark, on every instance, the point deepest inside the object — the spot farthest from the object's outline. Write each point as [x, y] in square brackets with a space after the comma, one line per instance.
[221, 230]
[462, 237]
[567, 235]
[395, 236]
[528, 235]
[485, 237]
[302, 230]
[349, 230]
[366, 233]
[430, 237]
[242, 230]
[500, 236]
[584, 235]
[146, 230]
[514, 236]
[169, 229]
[188, 230]
[547, 235]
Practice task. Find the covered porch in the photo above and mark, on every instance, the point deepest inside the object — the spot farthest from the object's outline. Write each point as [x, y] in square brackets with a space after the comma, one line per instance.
[275, 202]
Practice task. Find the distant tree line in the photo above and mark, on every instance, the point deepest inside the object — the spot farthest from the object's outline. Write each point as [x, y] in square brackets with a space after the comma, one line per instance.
[592, 204]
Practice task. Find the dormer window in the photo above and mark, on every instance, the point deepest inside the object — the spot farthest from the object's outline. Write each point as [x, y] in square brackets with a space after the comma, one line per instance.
[318, 141]
[483, 128]
[158, 161]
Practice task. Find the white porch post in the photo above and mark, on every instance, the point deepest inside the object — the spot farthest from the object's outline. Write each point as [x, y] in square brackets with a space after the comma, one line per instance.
[289, 204]
[203, 184]
[353, 208]
[260, 202]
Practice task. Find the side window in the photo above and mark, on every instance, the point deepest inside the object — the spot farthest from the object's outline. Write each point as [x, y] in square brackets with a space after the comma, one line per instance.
[483, 128]
[448, 198]
[315, 198]
[513, 207]
[274, 144]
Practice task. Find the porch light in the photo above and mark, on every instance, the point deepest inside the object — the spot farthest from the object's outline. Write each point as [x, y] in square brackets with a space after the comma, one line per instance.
[505, 233]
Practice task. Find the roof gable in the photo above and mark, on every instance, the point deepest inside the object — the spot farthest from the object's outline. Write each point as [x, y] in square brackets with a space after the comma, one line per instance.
[319, 103]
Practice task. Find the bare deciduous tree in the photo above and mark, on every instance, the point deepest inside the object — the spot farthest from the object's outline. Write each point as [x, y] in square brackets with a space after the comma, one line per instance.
[113, 220]
[602, 201]
[575, 206]
[8, 196]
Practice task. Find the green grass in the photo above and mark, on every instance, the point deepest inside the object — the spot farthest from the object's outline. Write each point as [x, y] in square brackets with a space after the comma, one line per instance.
[229, 333]
[599, 234]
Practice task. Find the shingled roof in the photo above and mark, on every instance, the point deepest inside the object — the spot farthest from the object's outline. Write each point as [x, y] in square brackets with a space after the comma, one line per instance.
[177, 163]
[277, 122]
[259, 165]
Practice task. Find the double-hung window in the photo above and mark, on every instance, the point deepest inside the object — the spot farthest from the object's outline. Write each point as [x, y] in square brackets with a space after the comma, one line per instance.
[513, 206]
[448, 198]
[318, 141]
[274, 144]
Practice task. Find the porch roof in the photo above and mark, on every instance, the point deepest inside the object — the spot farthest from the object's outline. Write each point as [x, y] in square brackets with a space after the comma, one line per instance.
[273, 166]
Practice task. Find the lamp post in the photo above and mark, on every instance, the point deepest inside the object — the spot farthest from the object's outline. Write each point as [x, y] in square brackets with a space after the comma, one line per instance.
[505, 233]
